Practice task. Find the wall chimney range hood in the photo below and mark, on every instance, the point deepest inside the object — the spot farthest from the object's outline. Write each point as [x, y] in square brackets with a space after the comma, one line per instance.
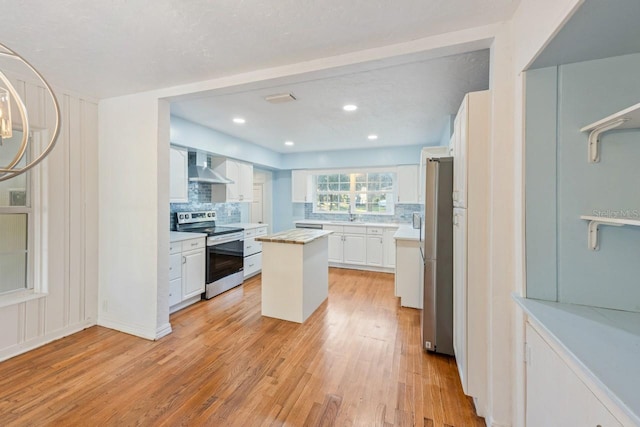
[200, 172]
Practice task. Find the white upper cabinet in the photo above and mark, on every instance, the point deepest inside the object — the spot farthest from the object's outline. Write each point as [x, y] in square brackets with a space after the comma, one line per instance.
[301, 186]
[241, 190]
[407, 184]
[471, 127]
[178, 175]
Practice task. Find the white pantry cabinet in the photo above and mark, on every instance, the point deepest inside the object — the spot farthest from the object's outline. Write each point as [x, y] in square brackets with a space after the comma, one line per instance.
[375, 250]
[241, 190]
[556, 396]
[301, 186]
[186, 272]
[470, 247]
[178, 175]
[407, 182]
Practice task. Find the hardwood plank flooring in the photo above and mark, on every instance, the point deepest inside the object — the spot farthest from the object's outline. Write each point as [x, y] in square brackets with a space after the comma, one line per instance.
[357, 361]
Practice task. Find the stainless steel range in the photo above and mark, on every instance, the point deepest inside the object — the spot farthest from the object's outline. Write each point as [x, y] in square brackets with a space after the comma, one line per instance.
[225, 250]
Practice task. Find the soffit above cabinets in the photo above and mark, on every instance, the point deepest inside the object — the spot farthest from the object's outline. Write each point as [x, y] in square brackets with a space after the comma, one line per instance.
[598, 29]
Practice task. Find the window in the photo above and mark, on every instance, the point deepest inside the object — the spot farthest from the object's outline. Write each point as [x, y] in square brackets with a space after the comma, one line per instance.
[15, 224]
[356, 193]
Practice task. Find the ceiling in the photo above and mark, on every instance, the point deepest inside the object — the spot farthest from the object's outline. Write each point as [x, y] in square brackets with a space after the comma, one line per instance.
[110, 48]
[597, 30]
[407, 104]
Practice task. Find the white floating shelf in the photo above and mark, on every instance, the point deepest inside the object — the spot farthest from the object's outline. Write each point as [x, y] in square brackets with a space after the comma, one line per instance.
[596, 221]
[629, 118]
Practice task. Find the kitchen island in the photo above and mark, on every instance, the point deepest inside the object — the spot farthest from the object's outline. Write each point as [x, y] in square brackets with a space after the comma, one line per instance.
[295, 273]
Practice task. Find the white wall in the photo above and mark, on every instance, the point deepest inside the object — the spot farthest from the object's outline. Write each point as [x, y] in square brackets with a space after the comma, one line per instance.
[70, 275]
[134, 215]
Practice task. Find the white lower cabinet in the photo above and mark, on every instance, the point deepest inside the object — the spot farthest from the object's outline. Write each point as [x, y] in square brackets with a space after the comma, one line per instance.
[375, 250]
[408, 278]
[186, 272]
[362, 246]
[253, 251]
[193, 270]
[556, 396]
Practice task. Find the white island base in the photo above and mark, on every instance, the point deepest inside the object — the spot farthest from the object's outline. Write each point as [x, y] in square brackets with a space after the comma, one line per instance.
[295, 275]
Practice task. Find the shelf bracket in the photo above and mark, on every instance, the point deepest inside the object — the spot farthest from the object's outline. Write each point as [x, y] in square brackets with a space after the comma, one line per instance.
[592, 237]
[594, 138]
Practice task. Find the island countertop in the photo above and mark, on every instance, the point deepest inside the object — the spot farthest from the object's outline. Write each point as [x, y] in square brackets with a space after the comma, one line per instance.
[297, 236]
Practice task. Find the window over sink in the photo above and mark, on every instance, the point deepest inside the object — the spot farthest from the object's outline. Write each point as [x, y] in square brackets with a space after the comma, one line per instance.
[361, 192]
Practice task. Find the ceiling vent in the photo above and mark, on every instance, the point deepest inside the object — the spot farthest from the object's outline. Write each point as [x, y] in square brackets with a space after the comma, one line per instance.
[280, 98]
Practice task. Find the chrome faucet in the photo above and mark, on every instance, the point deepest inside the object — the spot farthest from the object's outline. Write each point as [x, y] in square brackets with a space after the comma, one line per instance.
[352, 216]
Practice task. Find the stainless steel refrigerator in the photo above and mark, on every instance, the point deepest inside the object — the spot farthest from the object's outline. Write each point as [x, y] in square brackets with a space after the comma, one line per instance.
[437, 255]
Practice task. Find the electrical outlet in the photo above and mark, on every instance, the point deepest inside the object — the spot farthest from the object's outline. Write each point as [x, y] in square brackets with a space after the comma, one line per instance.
[427, 345]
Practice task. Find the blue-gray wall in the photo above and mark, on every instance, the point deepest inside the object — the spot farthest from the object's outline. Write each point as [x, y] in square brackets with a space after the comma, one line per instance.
[282, 207]
[561, 185]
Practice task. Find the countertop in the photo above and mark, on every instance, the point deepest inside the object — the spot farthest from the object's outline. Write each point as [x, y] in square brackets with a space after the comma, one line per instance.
[362, 224]
[179, 236]
[298, 236]
[407, 232]
[244, 225]
[605, 343]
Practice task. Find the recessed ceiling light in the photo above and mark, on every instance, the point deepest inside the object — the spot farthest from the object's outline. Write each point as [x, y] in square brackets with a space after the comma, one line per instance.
[350, 107]
[372, 136]
[239, 120]
[289, 143]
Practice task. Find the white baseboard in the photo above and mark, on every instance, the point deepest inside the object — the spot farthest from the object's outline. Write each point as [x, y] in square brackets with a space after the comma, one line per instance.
[136, 330]
[362, 267]
[163, 330]
[34, 343]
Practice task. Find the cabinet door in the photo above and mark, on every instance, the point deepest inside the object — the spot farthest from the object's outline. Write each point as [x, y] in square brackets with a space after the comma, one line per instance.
[460, 164]
[335, 247]
[375, 250]
[193, 269]
[245, 184]
[355, 249]
[555, 394]
[460, 293]
[407, 184]
[178, 175]
[175, 291]
[300, 186]
[389, 250]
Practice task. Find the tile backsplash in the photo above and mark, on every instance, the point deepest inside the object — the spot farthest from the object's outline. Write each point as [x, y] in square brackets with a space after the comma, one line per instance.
[200, 200]
[403, 214]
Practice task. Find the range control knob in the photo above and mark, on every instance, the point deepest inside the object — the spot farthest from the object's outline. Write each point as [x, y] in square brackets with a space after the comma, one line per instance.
[181, 216]
[209, 214]
[187, 216]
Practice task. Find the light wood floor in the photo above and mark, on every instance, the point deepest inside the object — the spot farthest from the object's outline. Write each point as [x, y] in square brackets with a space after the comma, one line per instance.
[356, 361]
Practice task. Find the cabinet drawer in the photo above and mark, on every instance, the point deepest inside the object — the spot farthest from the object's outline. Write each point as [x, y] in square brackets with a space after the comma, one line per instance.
[354, 229]
[261, 231]
[251, 232]
[376, 231]
[252, 247]
[175, 266]
[175, 292]
[252, 264]
[175, 247]
[334, 228]
[189, 245]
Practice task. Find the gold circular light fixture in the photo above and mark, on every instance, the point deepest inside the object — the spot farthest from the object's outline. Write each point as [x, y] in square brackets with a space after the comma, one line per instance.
[10, 170]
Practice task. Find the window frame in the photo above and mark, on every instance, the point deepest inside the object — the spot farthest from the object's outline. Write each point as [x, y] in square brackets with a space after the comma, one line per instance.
[35, 187]
[352, 193]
